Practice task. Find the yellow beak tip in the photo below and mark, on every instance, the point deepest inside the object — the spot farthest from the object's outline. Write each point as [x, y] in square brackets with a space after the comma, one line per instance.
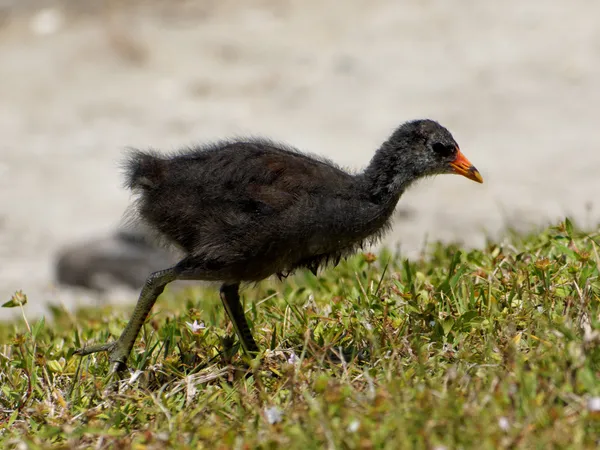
[476, 176]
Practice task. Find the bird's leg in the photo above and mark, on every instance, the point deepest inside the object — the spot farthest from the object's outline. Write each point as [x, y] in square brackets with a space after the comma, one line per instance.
[231, 301]
[119, 350]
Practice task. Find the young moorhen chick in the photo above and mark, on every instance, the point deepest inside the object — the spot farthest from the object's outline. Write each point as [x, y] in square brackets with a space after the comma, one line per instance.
[243, 210]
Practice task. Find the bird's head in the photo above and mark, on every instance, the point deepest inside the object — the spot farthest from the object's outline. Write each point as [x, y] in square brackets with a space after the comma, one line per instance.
[431, 150]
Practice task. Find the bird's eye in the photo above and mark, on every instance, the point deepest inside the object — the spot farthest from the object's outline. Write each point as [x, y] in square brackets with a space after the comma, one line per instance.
[443, 149]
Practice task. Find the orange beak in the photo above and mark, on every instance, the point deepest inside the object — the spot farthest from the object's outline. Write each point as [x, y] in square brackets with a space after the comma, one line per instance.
[463, 166]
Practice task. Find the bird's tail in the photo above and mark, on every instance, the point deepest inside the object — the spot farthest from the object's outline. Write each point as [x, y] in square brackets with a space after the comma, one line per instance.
[143, 170]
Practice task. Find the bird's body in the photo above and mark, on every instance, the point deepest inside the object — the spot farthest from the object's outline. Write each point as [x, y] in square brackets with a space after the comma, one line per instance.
[247, 209]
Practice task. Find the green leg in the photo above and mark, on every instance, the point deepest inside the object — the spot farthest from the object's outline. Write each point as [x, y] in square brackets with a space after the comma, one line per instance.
[119, 351]
[231, 301]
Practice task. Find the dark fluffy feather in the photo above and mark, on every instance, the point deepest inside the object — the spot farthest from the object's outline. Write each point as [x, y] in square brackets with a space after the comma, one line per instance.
[243, 210]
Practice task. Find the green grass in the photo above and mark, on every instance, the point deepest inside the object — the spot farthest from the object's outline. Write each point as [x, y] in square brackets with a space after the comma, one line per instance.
[487, 349]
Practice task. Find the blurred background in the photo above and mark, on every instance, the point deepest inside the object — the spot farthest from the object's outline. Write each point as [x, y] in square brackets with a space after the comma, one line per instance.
[80, 80]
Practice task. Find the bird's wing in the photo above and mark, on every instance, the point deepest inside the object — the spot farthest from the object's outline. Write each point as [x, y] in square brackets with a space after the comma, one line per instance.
[278, 180]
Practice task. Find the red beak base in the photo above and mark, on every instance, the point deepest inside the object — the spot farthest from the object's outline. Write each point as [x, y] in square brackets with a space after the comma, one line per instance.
[462, 166]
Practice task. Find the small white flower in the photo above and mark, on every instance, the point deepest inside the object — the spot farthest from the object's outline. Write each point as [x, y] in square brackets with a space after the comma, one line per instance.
[163, 436]
[593, 404]
[503, 423]
[310, 302]
[195, 327]
[273, 414]
[353, 426]
[292, 359]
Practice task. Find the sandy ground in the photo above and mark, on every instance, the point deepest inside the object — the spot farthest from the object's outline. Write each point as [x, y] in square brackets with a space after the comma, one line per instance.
[516, 83]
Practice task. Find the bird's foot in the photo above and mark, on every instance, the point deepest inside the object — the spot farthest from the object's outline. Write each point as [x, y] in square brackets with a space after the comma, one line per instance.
[116, 354]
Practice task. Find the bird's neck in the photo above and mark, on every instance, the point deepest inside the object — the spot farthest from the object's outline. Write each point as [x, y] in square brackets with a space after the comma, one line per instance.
[389, 174]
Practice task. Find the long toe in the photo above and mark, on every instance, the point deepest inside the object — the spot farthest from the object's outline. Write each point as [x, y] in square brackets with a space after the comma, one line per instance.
[88, 350]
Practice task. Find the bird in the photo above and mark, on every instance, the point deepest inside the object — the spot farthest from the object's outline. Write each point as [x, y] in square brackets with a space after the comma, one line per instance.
[243, 210]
